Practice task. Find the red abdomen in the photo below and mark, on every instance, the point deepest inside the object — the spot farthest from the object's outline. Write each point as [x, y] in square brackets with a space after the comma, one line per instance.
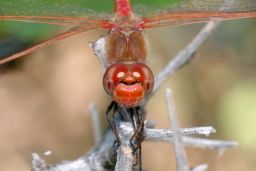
[123, 7]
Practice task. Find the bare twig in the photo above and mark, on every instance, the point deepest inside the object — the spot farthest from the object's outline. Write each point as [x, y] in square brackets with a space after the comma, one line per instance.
[178, 140]
[181, 159]
[96, 125]
[124, 161]
[99, 158]
[184, 55]
[187, 53]
[210, 144]
[165, 134]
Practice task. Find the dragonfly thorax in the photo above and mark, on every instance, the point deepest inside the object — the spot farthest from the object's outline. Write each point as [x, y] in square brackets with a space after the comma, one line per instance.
[126, 20]
[125, 47]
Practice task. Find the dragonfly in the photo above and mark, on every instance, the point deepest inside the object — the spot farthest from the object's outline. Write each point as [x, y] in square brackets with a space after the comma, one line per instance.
[127, 79]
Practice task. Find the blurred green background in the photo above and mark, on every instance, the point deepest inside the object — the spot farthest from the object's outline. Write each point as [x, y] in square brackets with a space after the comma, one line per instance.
[45, 97]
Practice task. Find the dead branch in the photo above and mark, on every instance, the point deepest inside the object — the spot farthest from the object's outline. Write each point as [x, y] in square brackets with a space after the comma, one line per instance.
[101, 158]
[96, 125]
[124, 159]
[184, 56]
[181, 158]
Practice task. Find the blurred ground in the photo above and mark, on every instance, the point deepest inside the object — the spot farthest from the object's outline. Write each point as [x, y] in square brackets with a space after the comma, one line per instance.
[45, 99]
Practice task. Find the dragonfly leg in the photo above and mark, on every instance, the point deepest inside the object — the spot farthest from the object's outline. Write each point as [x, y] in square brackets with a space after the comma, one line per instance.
[138, 124]
[137, 138]
[112, 108]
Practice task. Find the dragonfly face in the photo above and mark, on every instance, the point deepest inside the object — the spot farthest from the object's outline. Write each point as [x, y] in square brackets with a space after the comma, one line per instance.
[128, 83]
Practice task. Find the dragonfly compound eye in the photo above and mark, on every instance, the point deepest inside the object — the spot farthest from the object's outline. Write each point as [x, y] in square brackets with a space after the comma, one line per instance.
[113, 75]
[144, 75]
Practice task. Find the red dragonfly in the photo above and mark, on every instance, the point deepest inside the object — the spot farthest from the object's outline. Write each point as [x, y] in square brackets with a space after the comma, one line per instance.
[125, 45]
[127, 78]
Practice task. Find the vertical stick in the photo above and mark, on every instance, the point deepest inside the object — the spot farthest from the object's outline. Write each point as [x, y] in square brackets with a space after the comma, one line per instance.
[124, 152]
[96, 125]
[177, 143]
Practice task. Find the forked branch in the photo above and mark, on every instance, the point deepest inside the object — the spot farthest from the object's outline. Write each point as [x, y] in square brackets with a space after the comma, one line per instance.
[101, 157]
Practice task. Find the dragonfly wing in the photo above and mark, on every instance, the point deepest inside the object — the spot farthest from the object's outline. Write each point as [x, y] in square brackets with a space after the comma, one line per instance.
[85, 8]
[60, 21]
[166, 6]
[70, 32]
[55, 12]
[183, 12]
[184, 18]
[81, 16]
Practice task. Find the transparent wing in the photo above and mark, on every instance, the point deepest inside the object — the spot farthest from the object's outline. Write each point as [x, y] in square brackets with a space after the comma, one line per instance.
[57, 12]
[181, 12]
[70, 8]
[69, 33]
[81, 15]
[60, 21]
[183, 18]
[154, 7]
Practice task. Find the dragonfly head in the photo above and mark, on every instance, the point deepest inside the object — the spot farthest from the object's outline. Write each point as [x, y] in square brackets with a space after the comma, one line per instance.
[128, 84]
